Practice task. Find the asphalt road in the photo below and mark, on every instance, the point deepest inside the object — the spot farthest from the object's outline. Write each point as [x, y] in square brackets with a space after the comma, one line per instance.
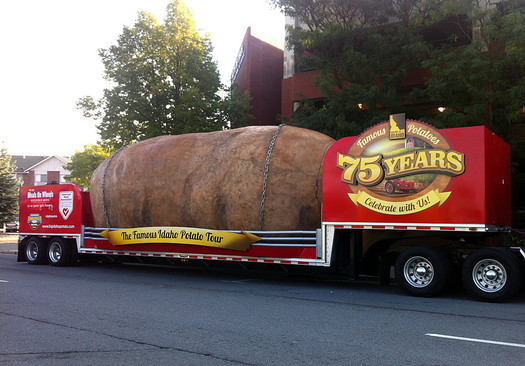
[109, 314]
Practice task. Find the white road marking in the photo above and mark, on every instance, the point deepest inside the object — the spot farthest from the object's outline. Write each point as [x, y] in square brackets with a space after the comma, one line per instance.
[4, 281]
[239, 281]
[476, 340]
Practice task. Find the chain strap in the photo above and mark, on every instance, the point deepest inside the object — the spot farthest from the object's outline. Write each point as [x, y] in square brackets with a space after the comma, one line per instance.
[106, 216]
[266, 171]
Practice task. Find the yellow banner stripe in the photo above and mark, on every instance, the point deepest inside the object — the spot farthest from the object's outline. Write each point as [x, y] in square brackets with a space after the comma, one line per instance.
[181, 235]
[399, 208]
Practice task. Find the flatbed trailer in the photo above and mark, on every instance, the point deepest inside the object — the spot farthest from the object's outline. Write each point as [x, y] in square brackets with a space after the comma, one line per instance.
[452, 225]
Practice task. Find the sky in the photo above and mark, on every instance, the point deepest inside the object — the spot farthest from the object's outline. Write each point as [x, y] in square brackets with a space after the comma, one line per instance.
[49, 59]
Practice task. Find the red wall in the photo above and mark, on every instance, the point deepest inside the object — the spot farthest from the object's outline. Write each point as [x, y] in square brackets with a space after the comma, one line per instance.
[261, 73]
[53, 176]
[296, 88]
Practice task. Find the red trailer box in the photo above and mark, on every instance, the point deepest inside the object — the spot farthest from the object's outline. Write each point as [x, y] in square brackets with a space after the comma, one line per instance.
[456, 179]
[54, 209]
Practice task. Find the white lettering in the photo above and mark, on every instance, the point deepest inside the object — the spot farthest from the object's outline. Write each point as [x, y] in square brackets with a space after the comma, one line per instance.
[364, 141]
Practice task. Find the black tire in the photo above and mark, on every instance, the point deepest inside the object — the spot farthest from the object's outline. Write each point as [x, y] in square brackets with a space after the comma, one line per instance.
[491, 274]
[423, 271]
[60, 252]
[36, 251]
[390, 187]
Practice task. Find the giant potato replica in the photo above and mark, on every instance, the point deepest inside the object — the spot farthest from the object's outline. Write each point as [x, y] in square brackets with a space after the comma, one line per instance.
[252, 178]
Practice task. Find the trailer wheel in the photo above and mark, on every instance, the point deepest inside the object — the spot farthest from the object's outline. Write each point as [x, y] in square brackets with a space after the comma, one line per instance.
[423, 271]
[491, 274]
[36, 251]
[60, 252]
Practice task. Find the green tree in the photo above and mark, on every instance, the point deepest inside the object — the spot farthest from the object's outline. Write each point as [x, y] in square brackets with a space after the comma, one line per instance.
[163, 79]
[483, 82]
[84, 163]
[473, 54]
[235, 108]
[9, 187]
[362, 59]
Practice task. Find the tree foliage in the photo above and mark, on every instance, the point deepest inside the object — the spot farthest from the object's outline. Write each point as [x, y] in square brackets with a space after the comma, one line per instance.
[84, 163]
[235, 106]
[471, 55]
[9, 187]
[163, 82]
[362, 59]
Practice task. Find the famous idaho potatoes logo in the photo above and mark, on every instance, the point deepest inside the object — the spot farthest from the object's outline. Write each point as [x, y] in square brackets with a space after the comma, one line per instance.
[400, 167]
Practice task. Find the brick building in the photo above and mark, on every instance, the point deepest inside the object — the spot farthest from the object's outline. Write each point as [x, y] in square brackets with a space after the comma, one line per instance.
[259, 69]
[40, 170]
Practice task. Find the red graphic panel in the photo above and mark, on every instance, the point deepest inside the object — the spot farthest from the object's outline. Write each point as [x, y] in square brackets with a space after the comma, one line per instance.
[472, 187]
[51, 209]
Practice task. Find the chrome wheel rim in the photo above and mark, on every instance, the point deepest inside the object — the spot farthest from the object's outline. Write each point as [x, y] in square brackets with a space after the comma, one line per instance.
[489, 275]
[418, 271]
[32, 251]
[55, 252]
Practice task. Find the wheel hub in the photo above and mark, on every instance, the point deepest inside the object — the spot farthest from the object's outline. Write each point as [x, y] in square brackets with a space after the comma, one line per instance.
[489, 275]
[32, 251]
[55, 252]
[421, 271]
[418, 272]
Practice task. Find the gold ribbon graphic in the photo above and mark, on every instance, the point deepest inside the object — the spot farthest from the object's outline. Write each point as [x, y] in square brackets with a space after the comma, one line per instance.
[402, 207]
[181, 235]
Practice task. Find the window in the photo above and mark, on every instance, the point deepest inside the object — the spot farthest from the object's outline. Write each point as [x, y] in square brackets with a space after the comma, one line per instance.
[40, 178]
[455, 31]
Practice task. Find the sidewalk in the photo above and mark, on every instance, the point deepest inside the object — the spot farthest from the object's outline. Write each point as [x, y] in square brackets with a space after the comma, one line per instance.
[8, 243]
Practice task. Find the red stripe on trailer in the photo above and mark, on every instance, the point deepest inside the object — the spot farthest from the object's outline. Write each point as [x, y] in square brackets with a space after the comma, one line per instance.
[414, 227]
[200, 257]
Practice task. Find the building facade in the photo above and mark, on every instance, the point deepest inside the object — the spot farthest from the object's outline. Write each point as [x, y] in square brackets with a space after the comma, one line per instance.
[297, 83]
[40, 170]
[259, 70]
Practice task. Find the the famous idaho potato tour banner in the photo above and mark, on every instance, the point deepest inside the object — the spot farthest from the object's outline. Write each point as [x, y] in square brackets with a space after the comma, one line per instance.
[181, 235]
